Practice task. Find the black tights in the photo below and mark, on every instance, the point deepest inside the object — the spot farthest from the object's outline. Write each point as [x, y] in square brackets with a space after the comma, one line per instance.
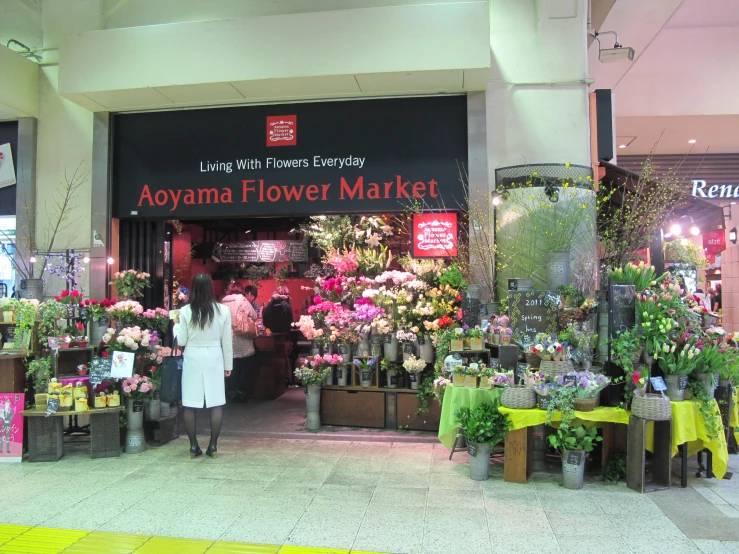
[216, 420]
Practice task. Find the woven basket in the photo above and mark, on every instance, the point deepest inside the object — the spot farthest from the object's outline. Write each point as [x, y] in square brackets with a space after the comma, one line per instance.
[533, 360]
[556, 368]
[521, 398]
[653, 407]
[571, 315]
[585, 404]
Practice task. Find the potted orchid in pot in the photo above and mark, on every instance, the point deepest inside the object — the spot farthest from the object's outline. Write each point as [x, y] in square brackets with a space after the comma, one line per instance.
[311, 376]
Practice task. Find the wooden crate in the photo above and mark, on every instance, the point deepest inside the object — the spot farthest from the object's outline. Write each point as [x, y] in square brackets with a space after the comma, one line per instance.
[160, 432]
[406, 408]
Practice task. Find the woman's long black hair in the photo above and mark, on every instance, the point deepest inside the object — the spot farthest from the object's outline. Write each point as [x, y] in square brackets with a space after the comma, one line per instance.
[202, 300]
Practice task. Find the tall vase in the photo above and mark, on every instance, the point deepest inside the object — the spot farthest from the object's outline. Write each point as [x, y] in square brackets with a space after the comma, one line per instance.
[152, 408]
[329, 380]
[135, 441]
[676, 385]
[392, 379]
[98, 327]
[313, 407]
[415, 379]
[342, 374]
[391, 348]
[427, 349]
[363, 348]
[558, 269]
[409, 349]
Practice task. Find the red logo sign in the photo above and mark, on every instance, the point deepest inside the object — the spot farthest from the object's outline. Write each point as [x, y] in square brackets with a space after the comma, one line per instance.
[714, 242]
[282, 130]
[435, 235]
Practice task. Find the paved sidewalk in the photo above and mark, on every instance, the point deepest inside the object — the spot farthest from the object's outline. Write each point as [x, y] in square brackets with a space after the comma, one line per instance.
[363, 496]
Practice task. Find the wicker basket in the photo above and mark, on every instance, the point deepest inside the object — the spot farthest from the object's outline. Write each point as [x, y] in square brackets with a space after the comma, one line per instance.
[556, 368]
[521, 398]
[571, 315]
[652, 407]
[533, 360]
[585, 404]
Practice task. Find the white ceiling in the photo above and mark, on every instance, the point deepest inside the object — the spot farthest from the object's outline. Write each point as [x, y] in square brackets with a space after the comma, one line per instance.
[682, 84]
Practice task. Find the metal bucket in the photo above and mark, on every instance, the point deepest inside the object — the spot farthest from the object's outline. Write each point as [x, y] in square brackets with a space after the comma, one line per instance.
[558, 269]
[573, 468]
[313, 407]
[480, 462]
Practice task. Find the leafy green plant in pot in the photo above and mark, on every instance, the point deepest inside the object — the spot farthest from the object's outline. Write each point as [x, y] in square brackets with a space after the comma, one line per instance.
[40, 372]
[573, 442]
[626, 350]
[484, 427]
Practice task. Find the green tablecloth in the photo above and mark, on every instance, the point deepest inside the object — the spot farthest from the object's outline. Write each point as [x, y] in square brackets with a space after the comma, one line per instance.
[734, 421]
[455, 398]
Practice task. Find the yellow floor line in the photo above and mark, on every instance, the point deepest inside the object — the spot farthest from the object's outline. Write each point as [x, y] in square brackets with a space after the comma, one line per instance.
[19, 539]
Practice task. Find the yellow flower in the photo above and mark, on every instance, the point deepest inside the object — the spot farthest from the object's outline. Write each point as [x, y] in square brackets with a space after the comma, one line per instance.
[567, 165]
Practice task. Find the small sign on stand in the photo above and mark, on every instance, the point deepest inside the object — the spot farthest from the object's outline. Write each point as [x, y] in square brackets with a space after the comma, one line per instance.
[658, 384]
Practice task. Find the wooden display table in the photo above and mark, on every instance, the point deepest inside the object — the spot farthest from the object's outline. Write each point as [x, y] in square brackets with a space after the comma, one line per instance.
[46, 433]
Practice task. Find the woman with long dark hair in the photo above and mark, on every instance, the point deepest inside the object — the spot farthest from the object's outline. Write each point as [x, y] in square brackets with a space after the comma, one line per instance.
[205, 330]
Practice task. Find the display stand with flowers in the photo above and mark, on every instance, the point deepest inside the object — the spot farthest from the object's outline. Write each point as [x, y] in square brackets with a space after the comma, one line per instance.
[311, 376]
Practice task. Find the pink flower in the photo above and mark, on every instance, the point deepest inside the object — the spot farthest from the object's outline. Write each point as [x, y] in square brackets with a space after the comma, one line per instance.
[317, 300]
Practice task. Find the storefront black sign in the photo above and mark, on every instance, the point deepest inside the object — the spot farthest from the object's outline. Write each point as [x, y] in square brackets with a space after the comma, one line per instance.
[533, 312]
[363, 156]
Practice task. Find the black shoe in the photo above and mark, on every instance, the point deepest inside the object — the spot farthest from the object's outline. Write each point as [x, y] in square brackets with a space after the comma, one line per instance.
[212, 452]
[195, 452]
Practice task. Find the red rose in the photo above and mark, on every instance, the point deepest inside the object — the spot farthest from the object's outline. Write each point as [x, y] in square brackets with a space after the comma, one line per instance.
[80, 327]
[104, 354]
[58, 298]
[87, 302]
[82, 305]
[76, 293]
[459, 298]
[65, 293]
[94, 302]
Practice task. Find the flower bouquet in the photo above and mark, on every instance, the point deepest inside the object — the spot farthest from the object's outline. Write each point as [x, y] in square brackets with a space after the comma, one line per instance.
[130, 339]
[544, 386]
[157, 319]
[312, 374]
[366, 368]
[137, 387]
[587, 387]
[130, 283]
[414, 367]
[126, 312]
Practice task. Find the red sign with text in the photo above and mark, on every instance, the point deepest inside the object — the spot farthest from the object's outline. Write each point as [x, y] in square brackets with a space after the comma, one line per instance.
[714, 243]
[282, 130]
[435, 235]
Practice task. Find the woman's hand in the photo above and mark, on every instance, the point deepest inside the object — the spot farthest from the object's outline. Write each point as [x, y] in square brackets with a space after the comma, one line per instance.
[228, 374]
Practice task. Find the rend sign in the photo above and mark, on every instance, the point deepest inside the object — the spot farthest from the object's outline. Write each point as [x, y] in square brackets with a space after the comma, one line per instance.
[366, 156]
[714, 191]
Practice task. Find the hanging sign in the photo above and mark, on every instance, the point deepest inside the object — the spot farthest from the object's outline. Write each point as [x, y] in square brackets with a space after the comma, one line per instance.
[261, 251]
[435, 235]
[714, 242]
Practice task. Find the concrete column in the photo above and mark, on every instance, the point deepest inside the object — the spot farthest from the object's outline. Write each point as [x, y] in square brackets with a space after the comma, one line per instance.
[25, 191]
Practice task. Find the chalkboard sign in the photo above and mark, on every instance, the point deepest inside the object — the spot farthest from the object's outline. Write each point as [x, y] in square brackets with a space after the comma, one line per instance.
[658, 383]
[71, 312]
[103, 321]
[99, 370]
[52, 406]
[472, 449]
[394, 379]
[413, 376]
[421, 340]
[366, 375]
[84, 313]
[261, 251]
[574, 457]
[682, 382]
[621, 309]
[10, 334]
[375, 339]
[569, 380]
[138, 405]
[522, 370]
[494, 363]
[533, 312]
[408, 348]
[387, 338]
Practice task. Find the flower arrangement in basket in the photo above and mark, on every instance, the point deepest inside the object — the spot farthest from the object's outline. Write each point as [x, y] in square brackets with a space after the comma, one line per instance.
[503, 379]
[586, 385]
[137, 387]
[126, 312]
[157, 319]
[544, 386]
[130, 283]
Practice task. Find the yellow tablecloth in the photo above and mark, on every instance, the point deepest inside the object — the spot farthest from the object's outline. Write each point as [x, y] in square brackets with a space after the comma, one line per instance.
[688, 426]
[734, 421]
[535, 416]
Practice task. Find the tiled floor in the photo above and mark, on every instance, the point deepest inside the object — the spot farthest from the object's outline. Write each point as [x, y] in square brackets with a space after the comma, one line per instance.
[360, 496]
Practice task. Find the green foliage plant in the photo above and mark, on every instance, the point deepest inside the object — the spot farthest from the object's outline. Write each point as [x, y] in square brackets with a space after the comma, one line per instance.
[569, 436]
[483, 423]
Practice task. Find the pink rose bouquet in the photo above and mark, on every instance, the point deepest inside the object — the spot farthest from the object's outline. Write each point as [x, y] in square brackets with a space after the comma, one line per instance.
[138, 387]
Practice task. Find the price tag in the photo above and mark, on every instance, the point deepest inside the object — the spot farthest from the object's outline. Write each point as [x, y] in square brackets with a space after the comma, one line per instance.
[103, 321]
[472, 449]
[658, 383]
[682, 383]
[574, 457]
[53, 343]
[570, 380]
[84, 313]
[70, 312]
[393, 379]
[494, 363]
[421, 340]
[10, 335]
[366, 375]
[387, 338]
[52, 406]
[99, 370]
[375, 339]
[408, 348]
[413, 376]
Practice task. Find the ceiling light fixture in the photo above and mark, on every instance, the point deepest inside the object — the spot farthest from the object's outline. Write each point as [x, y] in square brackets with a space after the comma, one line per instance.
[32, 259]
[622, 146]
[692, 141]
[675, 229]
[615, 54]
[732, 235]
[496, 199]
[110, 261]
[86, 259]
[695, 231]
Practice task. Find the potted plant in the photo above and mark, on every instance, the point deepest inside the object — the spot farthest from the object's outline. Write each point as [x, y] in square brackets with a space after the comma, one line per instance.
[677, 361]
[573, 442]
[391, 370]
[130, 283]
[40, 371]
[98, 319]
[457, 342]
[458, 375]
[49, 315]
[327, 362]
[484, 427]
[471, 375]
[8, 306]
[626, 349]
[82, 370]
[25, 318]
[137, 390]
[311, 377]
[486, 375]
[414, 367]
[709, 362]
[475, 334]
[65, 341]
